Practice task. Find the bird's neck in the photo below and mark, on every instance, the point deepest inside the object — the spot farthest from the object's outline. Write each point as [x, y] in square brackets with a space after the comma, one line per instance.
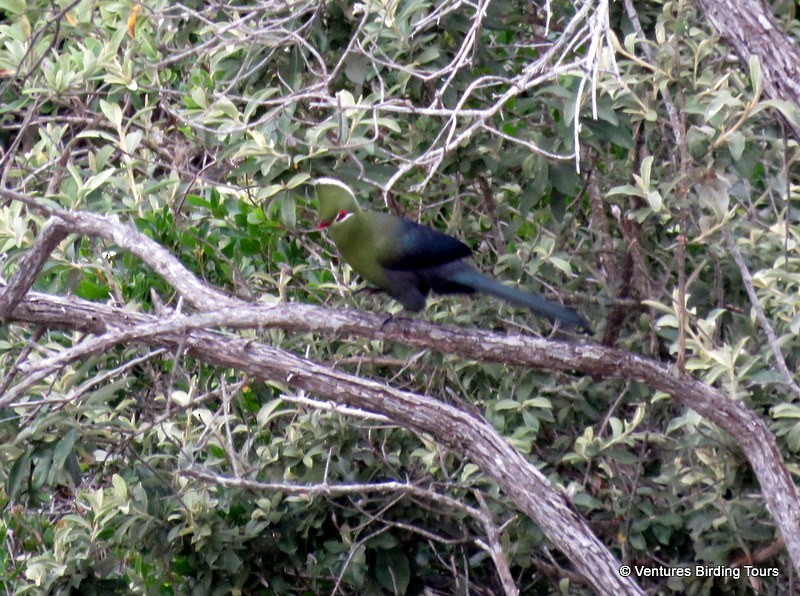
[352, 235]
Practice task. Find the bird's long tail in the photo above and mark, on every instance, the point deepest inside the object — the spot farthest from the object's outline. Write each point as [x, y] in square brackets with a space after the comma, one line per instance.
[478, 282]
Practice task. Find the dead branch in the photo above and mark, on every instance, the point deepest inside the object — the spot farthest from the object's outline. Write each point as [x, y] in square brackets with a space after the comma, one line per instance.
[466, 433]
[53, 232]
[194, 291]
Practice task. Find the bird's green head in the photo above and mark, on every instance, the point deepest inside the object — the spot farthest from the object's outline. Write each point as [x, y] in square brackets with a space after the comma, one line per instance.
[336, 202]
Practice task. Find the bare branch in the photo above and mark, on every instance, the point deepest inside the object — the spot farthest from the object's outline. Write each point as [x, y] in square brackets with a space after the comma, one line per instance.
[194, 291]
[330, 406]
[30, 265]
[325, 489]
[462, 431]
[495, 548]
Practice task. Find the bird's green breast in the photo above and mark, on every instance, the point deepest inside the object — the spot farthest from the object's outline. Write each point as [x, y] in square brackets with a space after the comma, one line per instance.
[365, 241]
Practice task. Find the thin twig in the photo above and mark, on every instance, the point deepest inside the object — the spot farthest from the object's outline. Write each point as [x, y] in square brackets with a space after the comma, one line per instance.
[766, 327]
[495, 548]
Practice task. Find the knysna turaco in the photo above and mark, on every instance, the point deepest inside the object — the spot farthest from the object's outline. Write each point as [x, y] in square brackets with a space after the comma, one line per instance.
[407, 260]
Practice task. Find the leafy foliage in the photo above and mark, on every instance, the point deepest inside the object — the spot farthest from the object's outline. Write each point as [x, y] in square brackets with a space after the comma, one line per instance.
[202, 124]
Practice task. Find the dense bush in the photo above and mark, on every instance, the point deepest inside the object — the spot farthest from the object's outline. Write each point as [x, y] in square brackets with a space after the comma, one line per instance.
[202, 124]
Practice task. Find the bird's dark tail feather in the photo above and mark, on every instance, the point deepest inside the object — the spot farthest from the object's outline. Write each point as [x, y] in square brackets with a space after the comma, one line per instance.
[471, 278]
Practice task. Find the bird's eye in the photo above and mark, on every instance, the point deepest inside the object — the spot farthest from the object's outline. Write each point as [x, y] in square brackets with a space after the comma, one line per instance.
[342, 215]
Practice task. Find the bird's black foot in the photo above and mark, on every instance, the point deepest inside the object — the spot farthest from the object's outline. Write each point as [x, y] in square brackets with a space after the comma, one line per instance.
[393, 319]
[580, 328]
[386, 321]
[584, 328]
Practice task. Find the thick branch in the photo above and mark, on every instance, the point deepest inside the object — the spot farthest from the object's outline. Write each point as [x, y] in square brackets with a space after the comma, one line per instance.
[53, 232]
[751, 30]
[464, 432]
[475, 439]
[201, 296]
[744, 427]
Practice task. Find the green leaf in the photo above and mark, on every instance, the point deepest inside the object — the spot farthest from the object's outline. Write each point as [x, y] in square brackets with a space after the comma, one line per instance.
[468, 471]
[654, 200]
[43, 462]
[793, 438]
[271, 190]
[297, 180]
[621, 455]
[269, 411]
[197, 201]
[785, 411]
[538, 402]
[506, 404]
[120, 487]
[132, 140]
[616, 426]
[626, 190]
[96, 181]
[113, 112]
[646, 170]
[19, 475]
[64, 448]
[428, 55]
[721, 100]
[637, 541]
[755, 75]
[786, 108]
[355, 68]
[393, 570]
[89, 290]
[561, 264]
[288, 210]
[14, 7]
[586, 502]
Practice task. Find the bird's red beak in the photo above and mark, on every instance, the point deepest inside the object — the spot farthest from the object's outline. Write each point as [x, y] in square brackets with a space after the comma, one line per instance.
[323, 224]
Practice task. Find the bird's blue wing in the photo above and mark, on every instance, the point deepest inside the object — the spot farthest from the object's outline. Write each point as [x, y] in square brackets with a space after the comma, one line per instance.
[422, 247]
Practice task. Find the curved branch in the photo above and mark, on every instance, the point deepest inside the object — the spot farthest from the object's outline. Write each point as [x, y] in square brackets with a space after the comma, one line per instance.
[194, 291]
[454, 428]
[748, 430]
[31, 264]
[466, 433]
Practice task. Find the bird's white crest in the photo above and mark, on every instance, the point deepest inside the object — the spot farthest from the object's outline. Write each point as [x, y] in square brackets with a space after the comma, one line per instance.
[333, 182]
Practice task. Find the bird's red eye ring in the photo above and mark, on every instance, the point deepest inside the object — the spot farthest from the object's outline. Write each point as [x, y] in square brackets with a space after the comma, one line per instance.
[342, 215]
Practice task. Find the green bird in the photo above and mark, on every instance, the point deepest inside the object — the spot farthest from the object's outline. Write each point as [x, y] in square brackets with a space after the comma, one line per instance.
[408, 261]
